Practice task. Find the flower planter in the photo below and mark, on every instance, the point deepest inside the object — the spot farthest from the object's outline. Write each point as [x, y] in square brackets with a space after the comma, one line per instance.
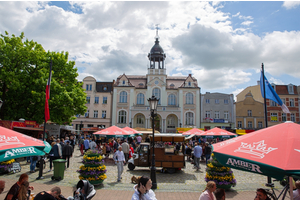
[97, 182]
[226, 187]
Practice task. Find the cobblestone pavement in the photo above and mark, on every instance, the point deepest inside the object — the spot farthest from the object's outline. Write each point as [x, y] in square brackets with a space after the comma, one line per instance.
[186, 182]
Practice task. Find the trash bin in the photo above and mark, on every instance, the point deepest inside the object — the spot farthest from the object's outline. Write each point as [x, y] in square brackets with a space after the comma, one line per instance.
[59, 169]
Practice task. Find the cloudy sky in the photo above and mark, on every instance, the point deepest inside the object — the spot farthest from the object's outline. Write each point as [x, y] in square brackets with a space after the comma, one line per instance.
[221, 43]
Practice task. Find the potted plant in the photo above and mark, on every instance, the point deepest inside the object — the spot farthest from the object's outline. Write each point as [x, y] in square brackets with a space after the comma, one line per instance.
[6, 165]
[221, 175]
[93, 168]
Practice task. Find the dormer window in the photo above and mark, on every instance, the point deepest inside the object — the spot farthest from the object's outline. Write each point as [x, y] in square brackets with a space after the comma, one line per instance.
[123, 82]
[141, 85]
[104, 88]
[291, 89]
[189, 84]
[172, 85]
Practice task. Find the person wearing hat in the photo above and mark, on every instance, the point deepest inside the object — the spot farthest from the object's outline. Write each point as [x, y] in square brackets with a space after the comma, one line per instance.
[207, 152]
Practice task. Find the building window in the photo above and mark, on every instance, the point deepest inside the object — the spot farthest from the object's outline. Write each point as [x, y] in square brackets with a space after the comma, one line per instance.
[274, 117]
[249, 124]
[239, 124]
[189, 118]
[172, 100]
[273, 103]
[88, 87]
[140, 120]
[226, 115]
[123, 82]
[95, 113]
[283, 117]
[207, 114]
[87, 113]
[189, 84]
[206, 100]
[103, 114]
[249, 113]
[88, 99]
[123, 97]
[291, 89]
[217, 115]
[283, 100]
[292, 104]
[90, 125]
[104, 100]
[97, 100]
[225, 101]
[122, 117]
[140, 99]
[293, 117]
[156, 93]
[259, 124]
[216, 101]
[189, 98]
[104, 88]
[171, 122]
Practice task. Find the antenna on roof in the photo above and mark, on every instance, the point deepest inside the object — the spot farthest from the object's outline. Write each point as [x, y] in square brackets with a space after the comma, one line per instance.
[156, 37]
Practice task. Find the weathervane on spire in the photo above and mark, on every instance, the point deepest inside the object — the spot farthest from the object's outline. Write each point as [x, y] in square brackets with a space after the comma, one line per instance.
[156, 37]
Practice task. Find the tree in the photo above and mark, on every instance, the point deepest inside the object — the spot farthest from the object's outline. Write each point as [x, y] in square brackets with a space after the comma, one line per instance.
[24, 71]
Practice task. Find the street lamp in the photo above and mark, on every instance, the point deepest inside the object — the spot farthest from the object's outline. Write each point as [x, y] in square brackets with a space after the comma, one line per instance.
[180, 125]
[153, 101]
[130, 123]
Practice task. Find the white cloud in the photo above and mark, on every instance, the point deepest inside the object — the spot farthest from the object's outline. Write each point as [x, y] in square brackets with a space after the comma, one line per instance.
[276, 81]
[247, 23]
[111, 38]
[236, 92]
[291, 4]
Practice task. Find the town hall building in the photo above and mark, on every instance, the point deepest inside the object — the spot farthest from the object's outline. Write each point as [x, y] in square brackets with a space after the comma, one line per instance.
[179, 104]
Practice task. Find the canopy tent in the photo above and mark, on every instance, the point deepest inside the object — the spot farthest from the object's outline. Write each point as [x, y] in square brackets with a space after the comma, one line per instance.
[113, 131]
[217, 132]
[194, 131]
[16, 145]
[273, 151]
[132, 131]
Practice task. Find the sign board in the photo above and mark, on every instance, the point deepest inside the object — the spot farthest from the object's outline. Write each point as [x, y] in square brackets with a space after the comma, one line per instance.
[218, 120]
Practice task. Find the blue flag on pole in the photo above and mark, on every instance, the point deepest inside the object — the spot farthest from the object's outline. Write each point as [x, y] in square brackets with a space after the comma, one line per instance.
[271, 94]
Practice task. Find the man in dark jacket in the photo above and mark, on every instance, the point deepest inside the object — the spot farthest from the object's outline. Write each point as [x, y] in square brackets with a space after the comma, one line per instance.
[67, 152]
[57, 151]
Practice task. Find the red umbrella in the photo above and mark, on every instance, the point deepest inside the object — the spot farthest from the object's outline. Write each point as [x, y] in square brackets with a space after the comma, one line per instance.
[16, 145]
[130, 130]
[217, 132]
[194, 131]
[273, 151]
[113, 131]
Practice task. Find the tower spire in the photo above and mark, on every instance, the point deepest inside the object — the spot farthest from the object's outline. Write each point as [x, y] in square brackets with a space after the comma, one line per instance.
[156, 37]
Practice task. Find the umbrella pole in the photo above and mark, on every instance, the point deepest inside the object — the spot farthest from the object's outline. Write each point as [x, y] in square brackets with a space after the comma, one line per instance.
[42, 158]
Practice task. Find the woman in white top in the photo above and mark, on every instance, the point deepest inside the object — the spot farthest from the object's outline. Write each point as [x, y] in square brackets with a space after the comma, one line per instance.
[208, 192]
[142, 191]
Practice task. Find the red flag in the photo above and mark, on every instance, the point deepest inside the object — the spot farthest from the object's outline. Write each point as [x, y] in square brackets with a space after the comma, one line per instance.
[47, 112]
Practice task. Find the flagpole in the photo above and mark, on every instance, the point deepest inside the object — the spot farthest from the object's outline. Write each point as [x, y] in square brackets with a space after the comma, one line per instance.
[266, 112]
[44, 133]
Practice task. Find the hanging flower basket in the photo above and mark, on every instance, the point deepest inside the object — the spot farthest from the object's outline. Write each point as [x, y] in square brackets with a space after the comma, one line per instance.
[93, 168]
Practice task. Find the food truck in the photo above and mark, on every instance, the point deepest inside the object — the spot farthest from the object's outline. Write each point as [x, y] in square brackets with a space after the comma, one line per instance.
[166, 155]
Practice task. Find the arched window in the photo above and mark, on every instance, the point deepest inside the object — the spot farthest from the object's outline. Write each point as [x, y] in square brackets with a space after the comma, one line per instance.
[189, 118]
[171, 122]
[123, 97]
[156, 93]
[122, 117]
[189, 98]
[140, 99]
[140, 120]
[172, 100]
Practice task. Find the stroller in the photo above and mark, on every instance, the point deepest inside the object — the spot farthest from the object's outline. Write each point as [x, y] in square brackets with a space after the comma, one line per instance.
[85, 191]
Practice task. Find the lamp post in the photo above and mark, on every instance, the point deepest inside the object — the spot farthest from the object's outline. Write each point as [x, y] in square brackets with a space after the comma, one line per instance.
[130, 123]
[180, 125]
[153, 101]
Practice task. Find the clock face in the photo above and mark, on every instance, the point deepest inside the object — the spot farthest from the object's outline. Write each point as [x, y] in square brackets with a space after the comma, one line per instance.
[156, 82]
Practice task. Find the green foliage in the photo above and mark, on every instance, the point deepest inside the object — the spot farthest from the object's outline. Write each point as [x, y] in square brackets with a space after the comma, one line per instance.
[24, 71]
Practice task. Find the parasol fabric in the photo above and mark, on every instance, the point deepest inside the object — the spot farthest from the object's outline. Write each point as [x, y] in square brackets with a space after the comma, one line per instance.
[217, 132]
[113, 131]
[194, 131]
[16, 145]
[273, 151]
[132, 131]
